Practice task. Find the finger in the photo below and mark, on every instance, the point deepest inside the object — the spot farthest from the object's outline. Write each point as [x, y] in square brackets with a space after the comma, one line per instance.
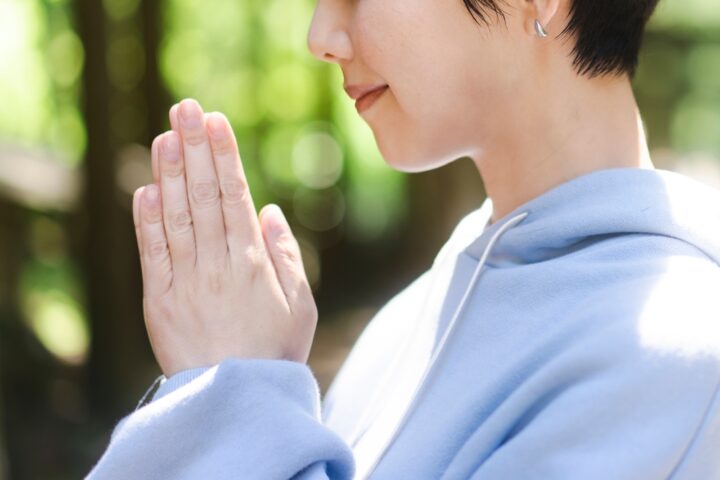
[157, 268]
[174, 125]
[176, 209]
[239, 214]
[136, 220]
[286, 257]
[173, 115]
[174, 118]
[153, 160]
[202, 185]
[174, 122]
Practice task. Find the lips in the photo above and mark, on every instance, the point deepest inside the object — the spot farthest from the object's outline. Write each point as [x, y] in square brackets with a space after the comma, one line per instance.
[364, 102]
[358, 91]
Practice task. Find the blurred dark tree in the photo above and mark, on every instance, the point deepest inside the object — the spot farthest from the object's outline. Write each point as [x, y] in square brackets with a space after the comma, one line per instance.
[106, 243]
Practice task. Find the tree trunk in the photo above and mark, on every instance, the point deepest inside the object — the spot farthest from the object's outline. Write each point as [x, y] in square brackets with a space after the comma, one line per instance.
[105, 236]
[10, 239]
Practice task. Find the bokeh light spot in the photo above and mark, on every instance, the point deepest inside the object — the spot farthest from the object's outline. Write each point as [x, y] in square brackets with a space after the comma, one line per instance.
[317, 160]
[289, 92]
[703, 69]
[65, 58]
[276, 159]
[61, 328]
[126, 61]
[319, 210]
[696, 125]
[120, 9]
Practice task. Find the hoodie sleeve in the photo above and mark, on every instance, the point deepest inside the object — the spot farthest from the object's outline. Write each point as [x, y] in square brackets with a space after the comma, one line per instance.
[244, 418]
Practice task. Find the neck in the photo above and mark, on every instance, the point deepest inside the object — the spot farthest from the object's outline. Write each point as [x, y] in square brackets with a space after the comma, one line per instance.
[556, 136]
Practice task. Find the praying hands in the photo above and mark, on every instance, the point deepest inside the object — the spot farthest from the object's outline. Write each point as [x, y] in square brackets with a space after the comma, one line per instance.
[219, 280]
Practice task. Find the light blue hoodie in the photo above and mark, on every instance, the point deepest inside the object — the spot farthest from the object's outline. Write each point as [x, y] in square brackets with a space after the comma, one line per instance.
[578, 337]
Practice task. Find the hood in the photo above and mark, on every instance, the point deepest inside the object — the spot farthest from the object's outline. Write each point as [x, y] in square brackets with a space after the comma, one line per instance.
[604, 203]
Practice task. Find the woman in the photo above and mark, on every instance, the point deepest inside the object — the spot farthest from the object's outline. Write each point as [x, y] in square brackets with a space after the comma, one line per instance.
[569, 328]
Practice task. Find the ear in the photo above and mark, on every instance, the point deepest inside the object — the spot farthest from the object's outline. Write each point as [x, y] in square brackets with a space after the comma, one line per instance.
[544, 11]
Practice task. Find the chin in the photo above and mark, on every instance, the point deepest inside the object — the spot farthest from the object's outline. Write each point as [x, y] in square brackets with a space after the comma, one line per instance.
[415, 160]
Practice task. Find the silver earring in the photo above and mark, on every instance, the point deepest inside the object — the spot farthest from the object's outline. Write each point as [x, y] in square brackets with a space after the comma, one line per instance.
[540, 30]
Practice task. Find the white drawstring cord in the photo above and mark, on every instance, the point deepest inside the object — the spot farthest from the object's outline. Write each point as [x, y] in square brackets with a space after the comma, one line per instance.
[418, 389]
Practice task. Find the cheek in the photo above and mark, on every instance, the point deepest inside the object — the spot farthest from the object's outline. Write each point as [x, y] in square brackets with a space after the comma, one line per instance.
[407, 47]
[382, 33]
[447, 76]
[436, 48]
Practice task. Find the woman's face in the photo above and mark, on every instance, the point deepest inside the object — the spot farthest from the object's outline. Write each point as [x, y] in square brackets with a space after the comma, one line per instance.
[452, 82]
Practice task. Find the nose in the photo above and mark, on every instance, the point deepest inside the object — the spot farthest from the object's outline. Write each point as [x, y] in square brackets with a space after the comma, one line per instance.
[328, 38]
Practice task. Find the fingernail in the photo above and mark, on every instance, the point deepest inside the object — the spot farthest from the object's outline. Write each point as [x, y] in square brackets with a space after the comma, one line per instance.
[278, 223]
[173, 114]
[190, 114]
[215, 127]
[171, 148]
[151, 193]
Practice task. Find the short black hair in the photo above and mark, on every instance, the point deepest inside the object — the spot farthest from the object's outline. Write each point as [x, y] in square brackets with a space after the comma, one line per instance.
[609, 32]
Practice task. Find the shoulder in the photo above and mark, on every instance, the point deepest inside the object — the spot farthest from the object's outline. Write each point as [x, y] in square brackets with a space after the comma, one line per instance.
[653, 276]
[653, 334]
[640, 312]
[681, 311]
[662, 294]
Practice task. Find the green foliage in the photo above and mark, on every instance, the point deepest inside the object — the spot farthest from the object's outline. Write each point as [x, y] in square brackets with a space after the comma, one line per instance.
[687, 15]
[51, 293]
[42, 64]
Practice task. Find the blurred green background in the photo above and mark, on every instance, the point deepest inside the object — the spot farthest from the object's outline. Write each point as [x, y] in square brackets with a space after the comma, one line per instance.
[86, 85]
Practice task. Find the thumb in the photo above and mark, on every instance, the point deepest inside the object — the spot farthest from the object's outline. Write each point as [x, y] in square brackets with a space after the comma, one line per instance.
[285, 254]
